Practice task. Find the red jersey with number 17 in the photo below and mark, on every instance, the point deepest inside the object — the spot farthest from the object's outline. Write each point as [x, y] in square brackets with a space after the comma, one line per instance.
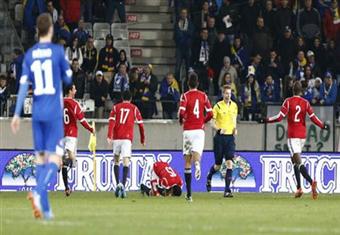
[192, 106]
[121, 122]
[296, 108]
[168, 177]
[72, 113]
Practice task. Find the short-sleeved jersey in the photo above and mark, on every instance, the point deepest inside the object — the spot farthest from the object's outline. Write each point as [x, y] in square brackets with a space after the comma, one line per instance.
[168, 177]
[124, 116]
[225, 116]
[192, 106]
[45, 67]
[296, 108]
[72, 113]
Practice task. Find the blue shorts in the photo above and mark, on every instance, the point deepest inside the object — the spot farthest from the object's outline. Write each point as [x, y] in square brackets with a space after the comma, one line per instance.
[48, 136]
[224, 147]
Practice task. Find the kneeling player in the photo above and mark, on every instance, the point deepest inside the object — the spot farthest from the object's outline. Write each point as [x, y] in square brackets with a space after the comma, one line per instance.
[164, 181]
[72, 113]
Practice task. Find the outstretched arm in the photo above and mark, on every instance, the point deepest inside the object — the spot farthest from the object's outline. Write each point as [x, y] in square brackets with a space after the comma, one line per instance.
[283, 112]
[314, 118]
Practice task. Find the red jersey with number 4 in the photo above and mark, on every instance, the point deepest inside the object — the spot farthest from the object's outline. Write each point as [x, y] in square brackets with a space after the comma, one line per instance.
[168, 177]
[72, 113]
[121, 122]
[296, 108]
[192, 107]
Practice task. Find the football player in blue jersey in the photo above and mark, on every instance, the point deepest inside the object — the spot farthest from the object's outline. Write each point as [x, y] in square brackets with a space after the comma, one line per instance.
[44, 68]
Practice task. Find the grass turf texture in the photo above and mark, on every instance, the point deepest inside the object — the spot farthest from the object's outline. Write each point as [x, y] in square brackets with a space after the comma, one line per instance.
[101, 213]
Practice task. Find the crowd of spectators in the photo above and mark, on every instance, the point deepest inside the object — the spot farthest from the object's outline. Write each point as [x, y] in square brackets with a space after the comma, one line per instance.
[258, 47]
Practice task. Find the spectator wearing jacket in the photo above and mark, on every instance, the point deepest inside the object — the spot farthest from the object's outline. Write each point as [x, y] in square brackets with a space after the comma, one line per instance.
[61, 30]
[111, 6]
[308, 22]
[79, 79]
[262, 41]
[123, 60]
[331, 21]
[170, 95]
[71, 12]
[74, 52]
[328, 90]
[52, 11]
[251, 98]
[81, 33]
[284, 18]
[89, 56]
[98, 92]
[119, 84]
[108, 56]
[270, 91]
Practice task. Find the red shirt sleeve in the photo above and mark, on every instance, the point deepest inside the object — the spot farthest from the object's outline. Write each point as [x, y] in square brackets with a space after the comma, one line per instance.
[112, 122]
[182, 107]
[208, 110]
[313, 117]
[81, 117]
[283, 112]
[139, 121]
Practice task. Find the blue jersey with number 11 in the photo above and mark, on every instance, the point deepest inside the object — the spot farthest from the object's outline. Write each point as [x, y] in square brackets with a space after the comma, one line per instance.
[45, 67]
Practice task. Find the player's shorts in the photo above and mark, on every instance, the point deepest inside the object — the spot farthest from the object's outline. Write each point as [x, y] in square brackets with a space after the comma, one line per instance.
[122, 148]
[193, 141]
[224, 147]
[48, 136]
[295, 145]
[71, 144]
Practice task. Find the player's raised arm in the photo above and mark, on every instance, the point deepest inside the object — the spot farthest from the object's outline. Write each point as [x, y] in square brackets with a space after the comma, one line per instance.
[208, 110]
[283, 112]
[66, 72]
[182, 108]
[112, 123]
[81, 117]
[314, 118]
[139, 121]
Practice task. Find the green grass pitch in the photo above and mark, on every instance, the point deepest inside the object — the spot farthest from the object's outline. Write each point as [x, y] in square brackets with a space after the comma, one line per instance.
[209, 213]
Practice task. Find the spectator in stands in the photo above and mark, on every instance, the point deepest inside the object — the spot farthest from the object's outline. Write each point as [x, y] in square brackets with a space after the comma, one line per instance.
[212, 32]
[257, 68]
[61, 30]
[16, 68]
[200, 57]
[249, 14]
[111, 6]
[331, 21]
[134, 84]
[270, 91]
[308, 76]
[312, 63]
[32, 9]
[89, 56]
[288, 88]
[300, 45]
[119, 84]
[328, 90]
[123, 60]
[284, 18]
[71, 12]
[251, 98]
[307, 91]
[227, 80]
[74, 52]
[183, 39]
[228, 19]
[273, 66]
[147, 90]
[170, 94]
[81, 33]
[240, 55]
[286, 49]
[53, 12]
[98, 92]
[4, 94]
[320, 55]
[269, 15]
[299, 65]
[262, 41]
[333, 53]
[78, 78]
[86, 9]
[316, 91]
[228, 68]
[108, 56]
[220, 50]
[308, 22]
[200, 18]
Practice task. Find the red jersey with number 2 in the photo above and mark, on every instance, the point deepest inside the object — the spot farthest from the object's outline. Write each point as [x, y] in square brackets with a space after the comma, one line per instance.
[296, 108]
[168, 177]
[192, 107]
[124, 115]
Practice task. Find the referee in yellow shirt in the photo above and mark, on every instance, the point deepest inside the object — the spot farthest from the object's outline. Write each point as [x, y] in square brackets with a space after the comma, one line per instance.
[224, 122]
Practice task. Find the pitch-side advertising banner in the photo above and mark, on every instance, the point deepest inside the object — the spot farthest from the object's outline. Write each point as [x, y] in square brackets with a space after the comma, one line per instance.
[253, 171]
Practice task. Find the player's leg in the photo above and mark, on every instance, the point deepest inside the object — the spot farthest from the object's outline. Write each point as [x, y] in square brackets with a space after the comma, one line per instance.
[229, 149]
[187, 149]
[218, 154]
[126, 153]
[299, 191]
[116, 162]
[197, 150]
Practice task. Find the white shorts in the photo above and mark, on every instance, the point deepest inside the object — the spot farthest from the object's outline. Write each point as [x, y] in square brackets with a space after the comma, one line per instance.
[71, 144]
[295, 145]
[193, 141]
[122, 148]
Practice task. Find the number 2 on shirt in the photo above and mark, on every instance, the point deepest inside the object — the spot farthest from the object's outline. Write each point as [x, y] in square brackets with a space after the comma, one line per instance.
[197, 109]
[298, 110]
[43, 77]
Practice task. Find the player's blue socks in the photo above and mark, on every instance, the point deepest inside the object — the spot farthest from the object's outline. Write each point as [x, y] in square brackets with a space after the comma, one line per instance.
[297, 176]
[187, 175]
[125, 174]
[116, 172]
[211, 172]
[228, 178]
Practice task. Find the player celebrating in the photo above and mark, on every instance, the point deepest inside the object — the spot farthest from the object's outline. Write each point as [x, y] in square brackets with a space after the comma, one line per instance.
[120, 133]
[191, 115]
[72, 113]
[295, 108]
[44, 66]
[164, 181]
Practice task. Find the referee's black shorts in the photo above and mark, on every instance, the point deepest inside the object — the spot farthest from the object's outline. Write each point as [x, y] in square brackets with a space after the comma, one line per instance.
[224, 147]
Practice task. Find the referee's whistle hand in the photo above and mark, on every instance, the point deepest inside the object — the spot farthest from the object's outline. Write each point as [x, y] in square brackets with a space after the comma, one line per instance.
[234, 131]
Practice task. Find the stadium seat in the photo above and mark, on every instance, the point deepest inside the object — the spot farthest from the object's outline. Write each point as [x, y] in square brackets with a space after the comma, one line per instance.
[19, 12]
[101, 26]
[88, 27]
[120, 34]
[100, 34]
[99, 44]
[123, 26]
[121, 43]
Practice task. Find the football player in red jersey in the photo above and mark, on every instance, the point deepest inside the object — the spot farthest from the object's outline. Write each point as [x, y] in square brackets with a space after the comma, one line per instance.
[72, 113]
[193, 104]
[296, 108]
[120, 133]
[164, 181]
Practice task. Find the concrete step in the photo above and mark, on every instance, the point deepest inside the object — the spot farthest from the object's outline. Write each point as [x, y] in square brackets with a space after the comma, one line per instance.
[152, 43]
[146, 9]
[148, 17]
[154, 60]
[152, 52]
[148, 2]
[150, 35]
[156, 26]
